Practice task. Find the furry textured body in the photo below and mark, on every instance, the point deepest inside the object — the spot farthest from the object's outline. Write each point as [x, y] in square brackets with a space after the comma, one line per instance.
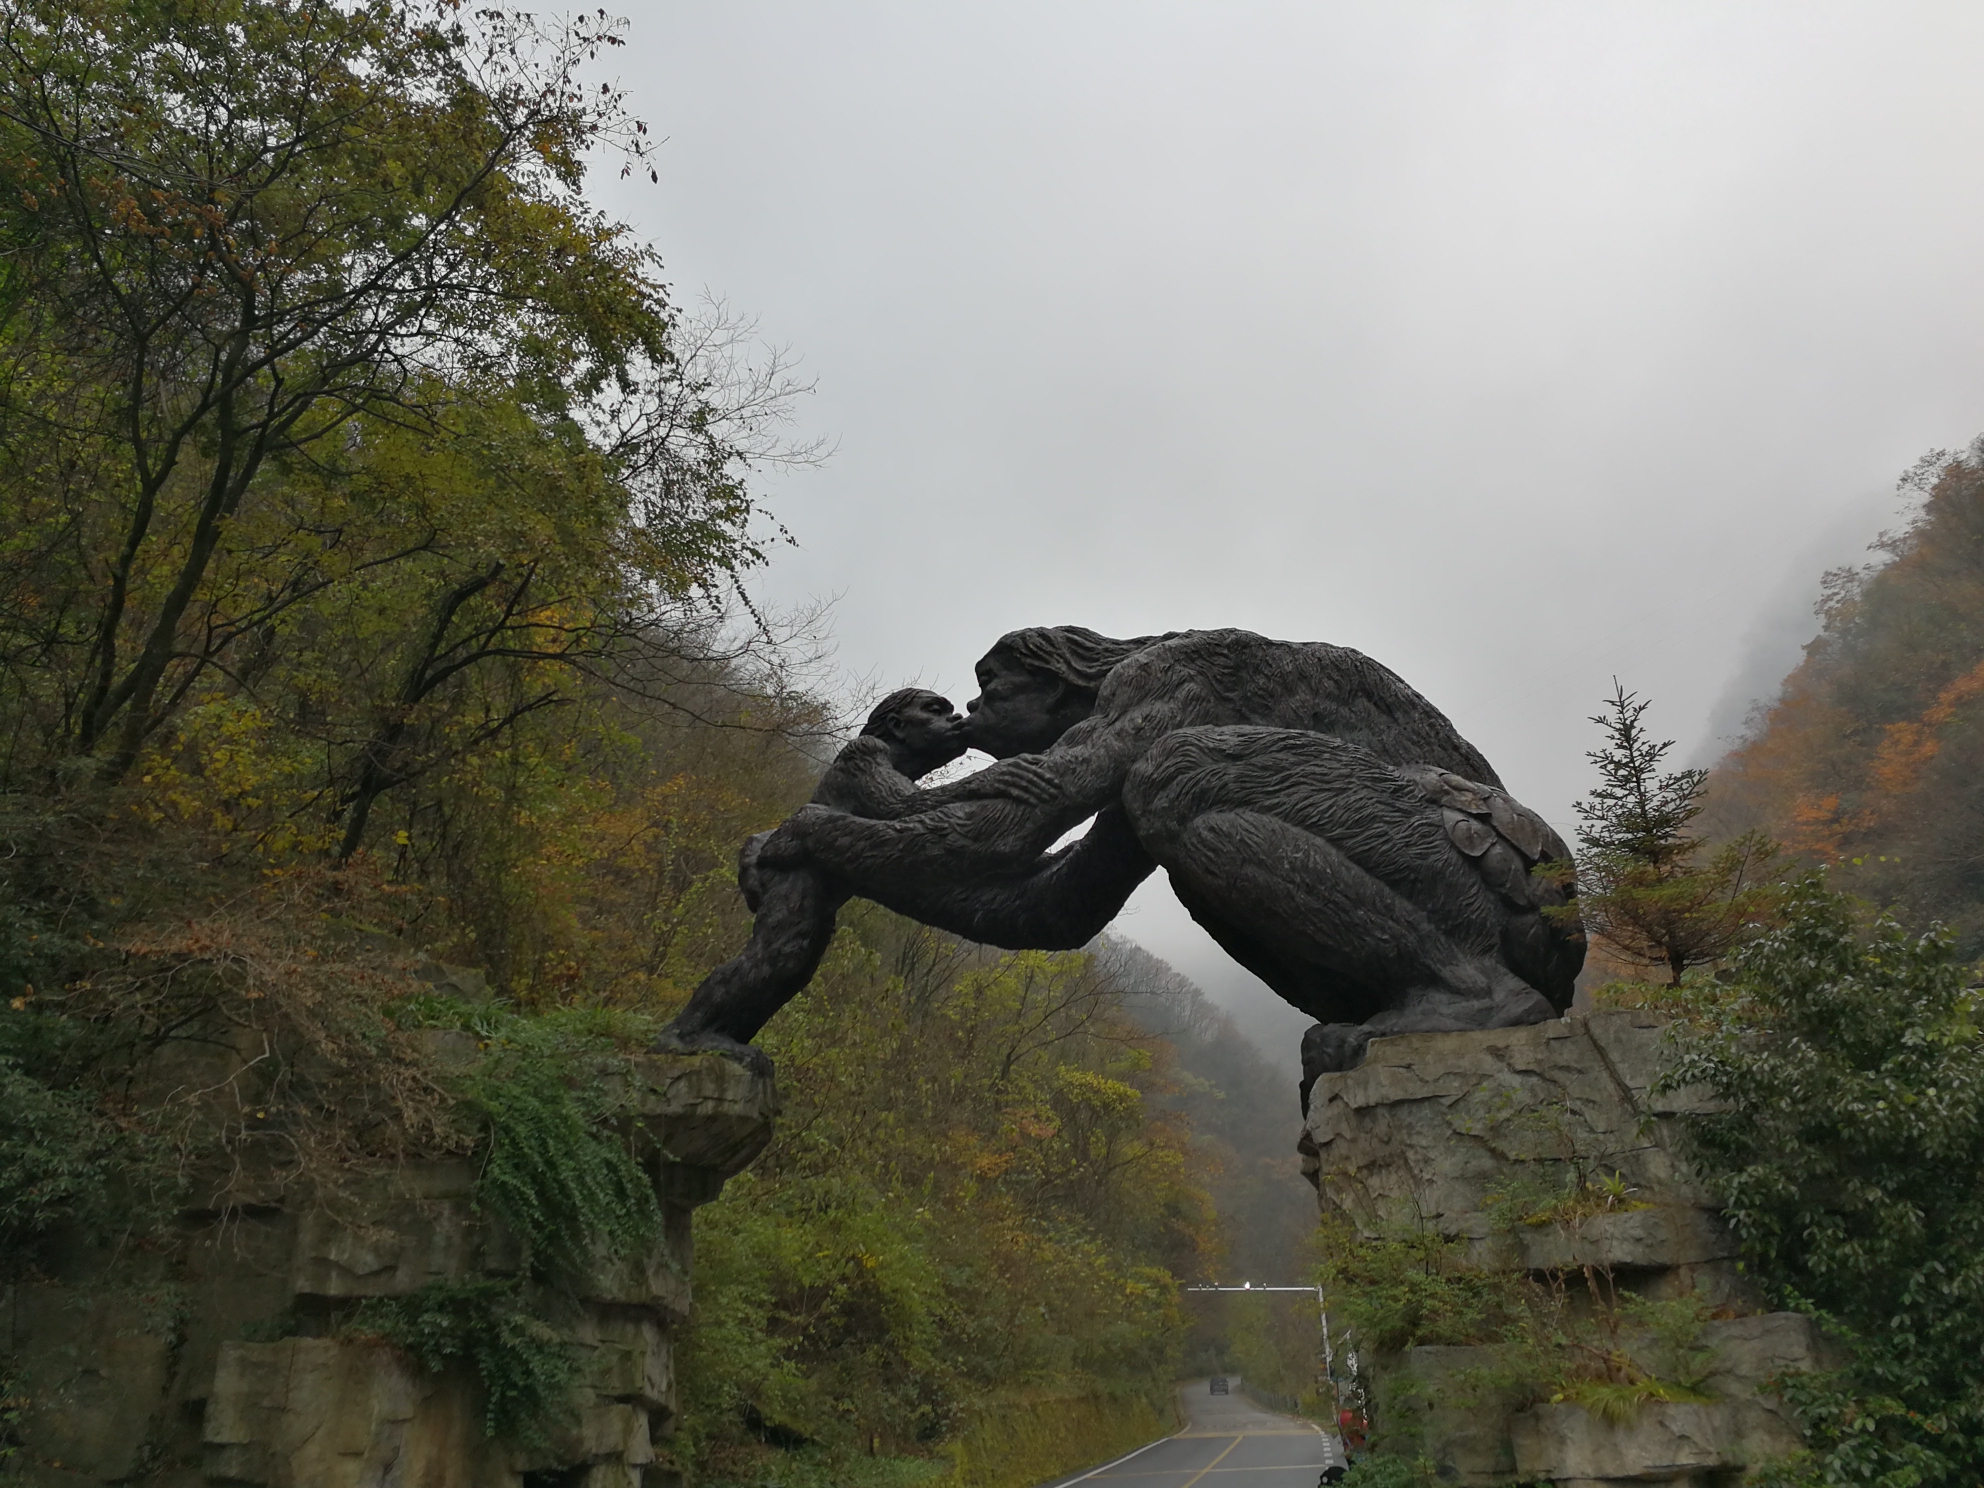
[1328, 826]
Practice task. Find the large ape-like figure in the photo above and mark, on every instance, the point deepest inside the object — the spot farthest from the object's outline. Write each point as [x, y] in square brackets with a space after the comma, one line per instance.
[1324, 822]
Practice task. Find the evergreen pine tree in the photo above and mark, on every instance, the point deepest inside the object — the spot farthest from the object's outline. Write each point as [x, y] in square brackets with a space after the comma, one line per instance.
[1645, 887]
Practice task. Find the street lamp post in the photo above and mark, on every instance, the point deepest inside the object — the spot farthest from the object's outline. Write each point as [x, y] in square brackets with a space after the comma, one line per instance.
[1322, 1313]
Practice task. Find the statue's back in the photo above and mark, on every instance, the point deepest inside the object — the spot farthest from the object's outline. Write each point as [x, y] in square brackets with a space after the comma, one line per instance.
[1218, 677]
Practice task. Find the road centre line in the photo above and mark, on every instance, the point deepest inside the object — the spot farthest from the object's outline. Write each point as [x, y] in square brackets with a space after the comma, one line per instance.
[1215, 1462]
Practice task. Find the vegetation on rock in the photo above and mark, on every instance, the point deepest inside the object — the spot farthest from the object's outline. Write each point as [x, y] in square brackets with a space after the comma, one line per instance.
[523, 1365]
[1851, 1162]
[1575, 1334]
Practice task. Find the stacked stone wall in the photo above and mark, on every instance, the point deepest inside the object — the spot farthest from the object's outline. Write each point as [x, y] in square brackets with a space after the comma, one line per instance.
[214, 1354]
[1434, 1132]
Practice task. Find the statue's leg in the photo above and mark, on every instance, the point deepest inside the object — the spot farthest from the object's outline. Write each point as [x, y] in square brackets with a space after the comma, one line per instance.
[1329, 876]
[795, 924]
[1337, 942]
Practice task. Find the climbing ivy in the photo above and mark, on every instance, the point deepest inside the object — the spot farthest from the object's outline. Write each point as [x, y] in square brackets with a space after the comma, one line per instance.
[571, 1193]
[567, 1187]
[525, 1366]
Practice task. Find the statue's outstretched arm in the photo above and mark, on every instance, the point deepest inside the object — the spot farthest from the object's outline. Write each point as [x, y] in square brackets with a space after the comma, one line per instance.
[1081, 774]
[1061, 902]
[1049, 901]
[978, 865]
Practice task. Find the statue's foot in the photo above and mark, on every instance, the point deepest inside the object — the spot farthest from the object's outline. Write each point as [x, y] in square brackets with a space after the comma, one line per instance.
[1332, 1048]
[1438, 1010]
[1329, 1049]
[672, 1040]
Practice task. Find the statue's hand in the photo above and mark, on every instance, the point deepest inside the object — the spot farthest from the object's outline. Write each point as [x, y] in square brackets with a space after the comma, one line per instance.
[750, 877]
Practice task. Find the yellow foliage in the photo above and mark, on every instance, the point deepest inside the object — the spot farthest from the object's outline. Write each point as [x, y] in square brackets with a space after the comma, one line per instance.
[1867, 760]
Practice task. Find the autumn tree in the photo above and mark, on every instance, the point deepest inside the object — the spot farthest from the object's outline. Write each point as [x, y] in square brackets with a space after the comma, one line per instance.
[1867, 758]
[248, 241]
[1648, 887]
[977, 1187]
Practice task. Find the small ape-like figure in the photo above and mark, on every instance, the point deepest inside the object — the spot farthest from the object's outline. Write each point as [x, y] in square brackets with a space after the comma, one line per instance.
[910, 733]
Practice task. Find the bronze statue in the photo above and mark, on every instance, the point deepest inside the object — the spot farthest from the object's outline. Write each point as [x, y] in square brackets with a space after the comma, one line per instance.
[1324, 822]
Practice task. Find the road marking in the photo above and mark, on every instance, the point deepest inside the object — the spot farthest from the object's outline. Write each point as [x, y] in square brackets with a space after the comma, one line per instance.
[1224, 1471]
[1188, 1435]
[1098, 1472]
[1215, 1462]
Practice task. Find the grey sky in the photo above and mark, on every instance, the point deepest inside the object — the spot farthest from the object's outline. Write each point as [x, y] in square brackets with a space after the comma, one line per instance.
[1516, 344]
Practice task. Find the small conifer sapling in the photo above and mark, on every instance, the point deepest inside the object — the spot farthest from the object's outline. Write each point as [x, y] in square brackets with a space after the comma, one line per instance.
[1647, 886]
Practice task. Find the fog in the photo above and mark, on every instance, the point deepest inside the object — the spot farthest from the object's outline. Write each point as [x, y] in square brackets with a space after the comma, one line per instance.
[1520, 345]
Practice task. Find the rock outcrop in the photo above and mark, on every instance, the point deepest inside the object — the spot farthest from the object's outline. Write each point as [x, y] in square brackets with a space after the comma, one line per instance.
[1479, 1138]
[215, 1355]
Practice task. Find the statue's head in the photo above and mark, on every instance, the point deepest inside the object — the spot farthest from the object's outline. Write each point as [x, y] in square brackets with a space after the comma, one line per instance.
[1036, 684]
[921, 728]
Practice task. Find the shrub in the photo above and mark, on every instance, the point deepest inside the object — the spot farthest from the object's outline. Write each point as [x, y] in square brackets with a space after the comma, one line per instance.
[1850, 1159]
[55, 1160]
[13, 1405]
[1380, 1471]
[1412, 1288]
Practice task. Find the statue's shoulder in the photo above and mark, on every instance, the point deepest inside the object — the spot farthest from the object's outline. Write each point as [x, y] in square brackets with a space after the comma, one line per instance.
[1195, 648]
[854, 780]
[1239, 677]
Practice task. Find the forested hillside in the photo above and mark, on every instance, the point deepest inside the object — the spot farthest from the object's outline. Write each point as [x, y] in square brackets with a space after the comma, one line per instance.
[1236, 1102]
[371, 530]
[981, 1188]
[1870, 757]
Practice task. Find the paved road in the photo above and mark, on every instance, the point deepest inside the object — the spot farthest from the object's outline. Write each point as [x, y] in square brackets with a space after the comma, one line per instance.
[1229, 1443]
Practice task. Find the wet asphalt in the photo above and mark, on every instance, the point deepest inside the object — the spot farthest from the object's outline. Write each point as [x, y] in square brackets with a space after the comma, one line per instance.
[1228, 1442]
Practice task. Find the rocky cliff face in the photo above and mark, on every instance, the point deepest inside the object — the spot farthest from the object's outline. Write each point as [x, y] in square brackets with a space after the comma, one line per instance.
[220, 1352]
[1488, 1140]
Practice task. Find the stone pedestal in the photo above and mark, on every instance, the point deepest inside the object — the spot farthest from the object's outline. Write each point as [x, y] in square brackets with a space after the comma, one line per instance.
[166, 1362]
[1487, 1140]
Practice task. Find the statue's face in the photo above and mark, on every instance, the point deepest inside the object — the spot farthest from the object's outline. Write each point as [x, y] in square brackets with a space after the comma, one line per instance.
[929, 732]
[1019, 710]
